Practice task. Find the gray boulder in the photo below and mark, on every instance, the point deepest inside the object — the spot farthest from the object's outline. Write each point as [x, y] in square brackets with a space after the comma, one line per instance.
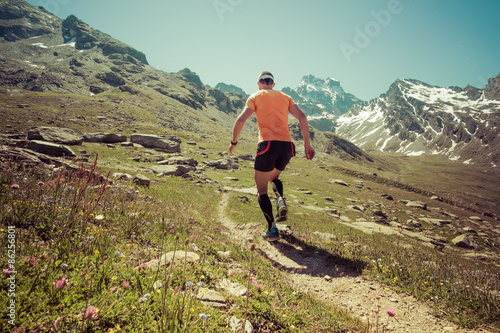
[224, 163]
[141, 180]
[171, 170]
[417, 204]
[65, 136]
[180, 160]
[339, 182]
[169, 144]
[465, 241]
[51, 149]
[104, 137]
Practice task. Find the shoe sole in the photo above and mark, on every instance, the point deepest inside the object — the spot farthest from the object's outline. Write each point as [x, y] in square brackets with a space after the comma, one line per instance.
[282, 213]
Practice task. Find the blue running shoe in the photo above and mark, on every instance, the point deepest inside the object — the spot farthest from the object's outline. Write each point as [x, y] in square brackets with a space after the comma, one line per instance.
[271, 235]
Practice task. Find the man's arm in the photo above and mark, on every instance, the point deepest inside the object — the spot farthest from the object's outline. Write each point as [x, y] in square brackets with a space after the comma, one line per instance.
[304, 127]
[238, 127]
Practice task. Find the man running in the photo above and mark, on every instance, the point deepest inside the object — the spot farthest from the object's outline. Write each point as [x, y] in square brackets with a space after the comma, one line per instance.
[275, 147]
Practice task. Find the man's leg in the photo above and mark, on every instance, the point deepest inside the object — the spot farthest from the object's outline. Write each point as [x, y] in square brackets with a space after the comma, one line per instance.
[276, 183]
[261, 180]
[278, 190]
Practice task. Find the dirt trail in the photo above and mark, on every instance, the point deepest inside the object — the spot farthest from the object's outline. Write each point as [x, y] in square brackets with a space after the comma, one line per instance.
[306, 269]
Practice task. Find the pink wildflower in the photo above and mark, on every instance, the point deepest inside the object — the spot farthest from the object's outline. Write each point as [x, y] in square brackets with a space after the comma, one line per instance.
[125, 284]
[378, 297]
[258, 285]
[32, 261]
[14, 186]
[391, 312]
[91, 313]
[9, 271]
[60, 283]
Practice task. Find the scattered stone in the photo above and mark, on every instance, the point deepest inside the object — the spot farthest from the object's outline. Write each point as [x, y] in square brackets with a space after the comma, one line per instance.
[414, 224]
[237, 325]
[329, 199]
[179, 160]
[464, 241]
[328, 278]
[127, 144]
[388, 197]
[141, 180]
[234, 179]
[171, 170]
[357, 208]
[435, 197]
[417, 204]
[191, 143]
[51, 149]
[338, 181]
[169, 257]
[380, 213]
[232, 288]
[469, 230]
[104, 137]
[476, 218]
[345, 219]
[122, 176]
[211, 298]
[60, 135]
[224, 254]
[228, 163]
[436, 222]
[324, 236]
[170, 144]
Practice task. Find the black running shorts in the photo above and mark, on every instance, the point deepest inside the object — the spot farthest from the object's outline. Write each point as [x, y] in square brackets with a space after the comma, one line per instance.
[273, 155]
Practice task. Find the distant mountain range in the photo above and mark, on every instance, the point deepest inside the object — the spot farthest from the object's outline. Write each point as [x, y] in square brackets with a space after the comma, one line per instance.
[414, 118]
[321, 100]
[40, 52]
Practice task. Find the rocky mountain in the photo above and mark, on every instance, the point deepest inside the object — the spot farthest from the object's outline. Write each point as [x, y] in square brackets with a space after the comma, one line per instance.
[321, 100]
[415, 118]
[40, 52]
[231, 88]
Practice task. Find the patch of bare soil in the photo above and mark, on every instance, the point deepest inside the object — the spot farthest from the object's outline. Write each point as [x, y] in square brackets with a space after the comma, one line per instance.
[315, 273]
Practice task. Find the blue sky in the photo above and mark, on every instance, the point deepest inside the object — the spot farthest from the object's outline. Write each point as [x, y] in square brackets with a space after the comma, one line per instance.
[365, 44]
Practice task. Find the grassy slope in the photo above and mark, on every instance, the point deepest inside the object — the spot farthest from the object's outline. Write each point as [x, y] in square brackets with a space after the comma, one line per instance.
[193, 208]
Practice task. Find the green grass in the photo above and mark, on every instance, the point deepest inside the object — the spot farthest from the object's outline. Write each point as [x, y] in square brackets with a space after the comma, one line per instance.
[69, 227]
[58, 235]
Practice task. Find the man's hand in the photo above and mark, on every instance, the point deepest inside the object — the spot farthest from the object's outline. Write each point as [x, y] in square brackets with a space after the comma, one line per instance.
[231, 148]
[310, 152]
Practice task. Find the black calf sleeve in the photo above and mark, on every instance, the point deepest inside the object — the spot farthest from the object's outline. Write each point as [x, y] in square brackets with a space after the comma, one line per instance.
[277, 187]
[267, 209]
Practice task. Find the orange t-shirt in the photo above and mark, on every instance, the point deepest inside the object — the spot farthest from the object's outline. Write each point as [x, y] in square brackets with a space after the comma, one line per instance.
[271, 108]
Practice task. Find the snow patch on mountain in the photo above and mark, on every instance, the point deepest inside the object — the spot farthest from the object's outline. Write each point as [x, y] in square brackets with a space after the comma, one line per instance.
[414, 118]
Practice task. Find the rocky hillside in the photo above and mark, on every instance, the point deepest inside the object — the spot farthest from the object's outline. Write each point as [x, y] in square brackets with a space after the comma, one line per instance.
[321, 100]
[40, 52]
[231, 88]
[415, 118]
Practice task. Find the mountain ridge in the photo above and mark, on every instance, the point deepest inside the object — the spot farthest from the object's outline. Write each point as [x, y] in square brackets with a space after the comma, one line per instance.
[415, 118]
